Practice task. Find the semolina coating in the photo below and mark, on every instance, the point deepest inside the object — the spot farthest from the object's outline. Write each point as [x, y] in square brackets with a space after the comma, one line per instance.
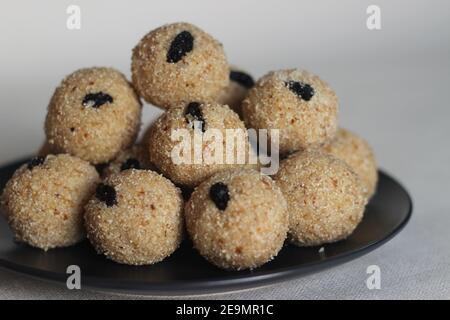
[233, 95]
[135, 157]
[179, 62]
[325, 198]
[135, 217]
[298, 103]
[94, 114]
[358, 154]
[200, 122]
[44, 200]
[237, 219]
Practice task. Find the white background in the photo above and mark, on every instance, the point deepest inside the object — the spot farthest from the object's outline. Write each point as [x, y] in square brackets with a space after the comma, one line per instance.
[393, 87]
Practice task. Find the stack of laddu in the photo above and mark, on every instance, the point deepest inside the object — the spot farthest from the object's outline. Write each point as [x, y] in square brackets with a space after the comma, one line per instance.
[132, 208]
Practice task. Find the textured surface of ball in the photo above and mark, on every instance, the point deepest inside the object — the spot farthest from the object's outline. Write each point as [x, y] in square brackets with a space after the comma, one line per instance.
[43, 202]
[358, 154]
[325, 197]
[301, 105]
[135, 217]
[179, 62]
[94, 114]
[237, 219]
[207, 116]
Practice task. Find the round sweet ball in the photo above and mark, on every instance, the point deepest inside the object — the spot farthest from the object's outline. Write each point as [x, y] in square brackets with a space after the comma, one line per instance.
[236, 91]
[135, 157]
[135, 217]
[298, 103]
[188, 143]
[237, 219]
[93, 114]
[179, 62]
[325, 197]
[43, 202]
[358, 154]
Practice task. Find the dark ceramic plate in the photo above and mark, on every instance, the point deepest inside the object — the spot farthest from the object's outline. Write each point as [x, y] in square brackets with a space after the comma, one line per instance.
[185, 272]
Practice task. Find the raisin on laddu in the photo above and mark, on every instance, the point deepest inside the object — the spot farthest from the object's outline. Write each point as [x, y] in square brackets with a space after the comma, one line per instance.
[220, 195]
[181, 45]
[97, 99]
[193, 109]
[303, 90]
[106, 194]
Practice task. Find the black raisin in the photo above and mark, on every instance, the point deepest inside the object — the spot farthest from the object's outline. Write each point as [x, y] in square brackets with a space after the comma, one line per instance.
[219, 194]
[242, 78]
[96, 99]
[35, 162]
[131, 163]
[182, 44]
[106, 194]
[194, 110]
[303, 90]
